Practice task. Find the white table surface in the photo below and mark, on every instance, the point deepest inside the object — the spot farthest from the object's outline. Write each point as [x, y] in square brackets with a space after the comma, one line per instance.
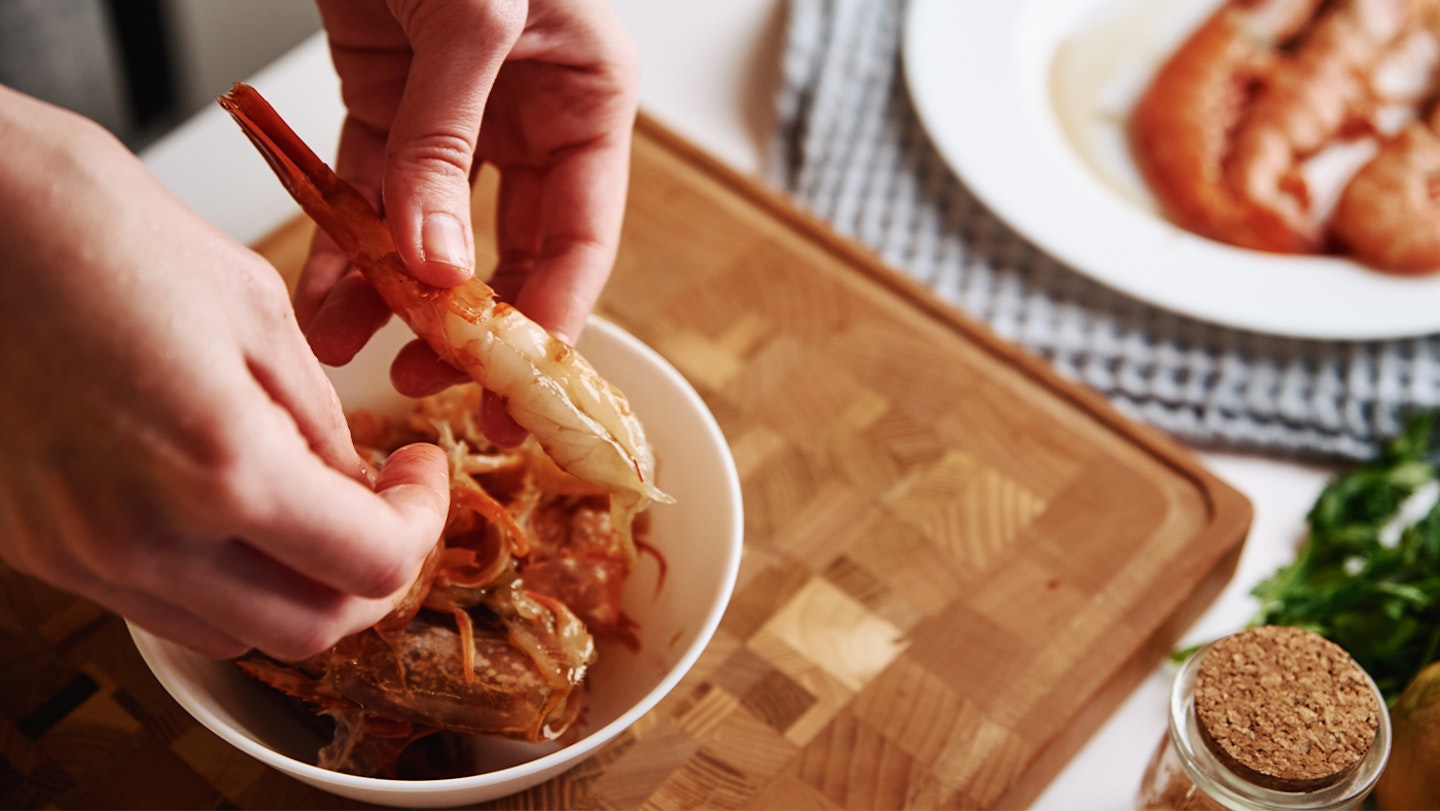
[709, 72]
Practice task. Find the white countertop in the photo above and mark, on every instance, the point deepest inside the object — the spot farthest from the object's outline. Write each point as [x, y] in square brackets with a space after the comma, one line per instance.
[709, 73]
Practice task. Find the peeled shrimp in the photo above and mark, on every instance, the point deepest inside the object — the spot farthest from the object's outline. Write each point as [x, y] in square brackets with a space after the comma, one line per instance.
[1389, 213]
[1223, 133]
[1311, 97]
[1182, 128]
[583, 422]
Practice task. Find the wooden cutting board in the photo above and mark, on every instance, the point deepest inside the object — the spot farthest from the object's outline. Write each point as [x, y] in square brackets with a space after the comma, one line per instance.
[956, 563]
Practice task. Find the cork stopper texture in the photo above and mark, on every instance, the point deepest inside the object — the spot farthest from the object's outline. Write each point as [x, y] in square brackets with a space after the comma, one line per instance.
[1285, 708]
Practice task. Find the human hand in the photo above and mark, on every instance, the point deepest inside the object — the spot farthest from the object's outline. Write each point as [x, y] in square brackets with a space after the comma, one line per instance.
[172, 449]
[544, 91]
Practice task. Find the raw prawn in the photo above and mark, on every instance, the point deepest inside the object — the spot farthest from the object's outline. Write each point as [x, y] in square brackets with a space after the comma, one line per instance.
[387, 689]
[583, 422]
[497, 634]
[1389, 213]
[1182, 128]
[517, 506]
[1318, 92]
[1223, 134]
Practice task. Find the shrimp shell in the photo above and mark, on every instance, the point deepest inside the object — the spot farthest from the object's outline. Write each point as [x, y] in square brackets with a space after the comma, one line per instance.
[582, 421]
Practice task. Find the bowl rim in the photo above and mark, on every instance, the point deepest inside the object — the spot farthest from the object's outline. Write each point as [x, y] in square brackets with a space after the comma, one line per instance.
[156, 651]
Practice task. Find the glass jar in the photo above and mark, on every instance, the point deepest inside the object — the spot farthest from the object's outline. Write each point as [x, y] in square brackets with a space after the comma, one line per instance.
[1190, 771]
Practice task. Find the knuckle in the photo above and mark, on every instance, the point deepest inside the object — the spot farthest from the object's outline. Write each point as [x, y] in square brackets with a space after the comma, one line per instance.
[505, 19]
[259, 293]
[577, 250]
[231, 498]
[623, 63]
[487, 20]
[319, 632]
[261, 283]
[448, 154]
[228, 494]
[204, 458]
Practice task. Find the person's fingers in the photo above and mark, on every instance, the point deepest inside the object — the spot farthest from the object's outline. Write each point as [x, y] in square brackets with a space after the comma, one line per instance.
[286, 614]
[279, 360]
[57, 543]
[41, 546]
[323, 267]
[458, 49]
[418, 372]
[222, 595]
[371, 55]
[497, 424]
[557, 232]
[169, 621]
[220, 598]
[346, 320]
[336, 308]
[336, 531]
[360, 160]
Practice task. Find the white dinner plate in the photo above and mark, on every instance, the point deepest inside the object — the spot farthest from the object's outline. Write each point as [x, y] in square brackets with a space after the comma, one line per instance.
[1026, 100]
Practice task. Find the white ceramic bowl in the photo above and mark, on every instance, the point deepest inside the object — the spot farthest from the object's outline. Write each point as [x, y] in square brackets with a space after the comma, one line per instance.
[699, 536]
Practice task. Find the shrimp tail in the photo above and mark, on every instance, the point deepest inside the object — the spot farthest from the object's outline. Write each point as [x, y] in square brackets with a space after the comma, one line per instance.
[337, 207]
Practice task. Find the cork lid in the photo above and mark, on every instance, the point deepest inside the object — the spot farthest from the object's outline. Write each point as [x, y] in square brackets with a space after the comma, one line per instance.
[1285, 708]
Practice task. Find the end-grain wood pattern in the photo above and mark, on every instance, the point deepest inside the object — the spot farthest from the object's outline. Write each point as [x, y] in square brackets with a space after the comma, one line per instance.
[956, 564]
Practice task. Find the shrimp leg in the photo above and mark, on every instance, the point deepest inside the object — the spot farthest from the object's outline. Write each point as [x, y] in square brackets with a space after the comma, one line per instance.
[582, 421]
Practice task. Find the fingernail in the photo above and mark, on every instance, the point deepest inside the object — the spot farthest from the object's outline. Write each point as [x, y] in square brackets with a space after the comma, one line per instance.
[443, 241]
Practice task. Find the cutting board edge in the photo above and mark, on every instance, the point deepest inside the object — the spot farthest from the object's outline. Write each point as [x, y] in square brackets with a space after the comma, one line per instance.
[1052, 758]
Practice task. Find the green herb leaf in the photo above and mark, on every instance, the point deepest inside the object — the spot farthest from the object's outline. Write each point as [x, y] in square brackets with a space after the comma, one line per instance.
[1378, 599]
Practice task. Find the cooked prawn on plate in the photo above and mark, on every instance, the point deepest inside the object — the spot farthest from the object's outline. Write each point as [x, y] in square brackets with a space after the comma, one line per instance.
[1230, 130]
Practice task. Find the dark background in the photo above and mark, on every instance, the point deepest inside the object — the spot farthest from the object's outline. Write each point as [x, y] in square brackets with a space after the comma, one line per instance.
[138, 67]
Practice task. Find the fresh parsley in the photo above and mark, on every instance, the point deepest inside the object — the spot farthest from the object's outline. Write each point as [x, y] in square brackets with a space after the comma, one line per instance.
[1367, 578]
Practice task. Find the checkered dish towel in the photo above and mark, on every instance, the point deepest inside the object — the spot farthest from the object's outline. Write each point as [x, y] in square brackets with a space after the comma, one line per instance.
[850, 148]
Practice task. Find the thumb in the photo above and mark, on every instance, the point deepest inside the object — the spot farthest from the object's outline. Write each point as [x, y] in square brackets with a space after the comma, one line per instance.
[458, 48]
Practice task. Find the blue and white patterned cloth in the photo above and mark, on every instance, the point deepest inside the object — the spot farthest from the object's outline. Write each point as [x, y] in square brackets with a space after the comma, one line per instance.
[850, 147]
